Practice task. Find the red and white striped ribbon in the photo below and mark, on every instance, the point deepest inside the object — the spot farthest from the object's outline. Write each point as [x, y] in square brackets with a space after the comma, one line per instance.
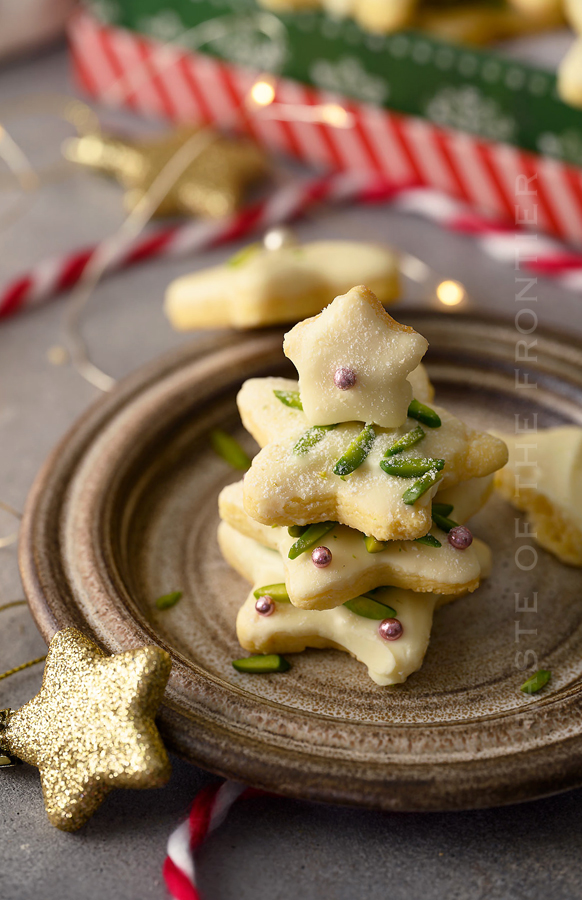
[498, 238]
[209, 810]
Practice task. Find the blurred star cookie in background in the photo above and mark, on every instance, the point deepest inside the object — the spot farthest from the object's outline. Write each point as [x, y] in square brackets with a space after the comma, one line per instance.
[259, 286]
[570, 71]
[544, 479]
[479, 21]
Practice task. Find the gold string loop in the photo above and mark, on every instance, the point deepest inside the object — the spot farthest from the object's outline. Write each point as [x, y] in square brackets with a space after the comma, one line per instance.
[13, 603]
[214, 31]
[22, 666]
[10, 538]
[26, 665]
[207, 32]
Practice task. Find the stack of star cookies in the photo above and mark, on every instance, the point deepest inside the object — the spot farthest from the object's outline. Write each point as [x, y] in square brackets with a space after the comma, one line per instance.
[350, 521]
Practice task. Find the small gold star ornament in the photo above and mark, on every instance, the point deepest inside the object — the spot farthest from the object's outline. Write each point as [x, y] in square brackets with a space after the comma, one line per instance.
[212, 185]
[91, 726]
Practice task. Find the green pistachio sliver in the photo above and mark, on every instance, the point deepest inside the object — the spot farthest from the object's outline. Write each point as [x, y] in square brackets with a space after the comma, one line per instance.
[443, 522]
[424, 414]
[229, 449]
[536, 682]
[428, 540]
[261, 665]
[421, 486]
[243, 255]
[289, 398]
[277, 592]
[406, 441]
[442, 509]
[169, 600]
[372, 545]
[310, 538]
[356, 453]
[369, 608]
[296, 530]
[311, 437]
[405, 467]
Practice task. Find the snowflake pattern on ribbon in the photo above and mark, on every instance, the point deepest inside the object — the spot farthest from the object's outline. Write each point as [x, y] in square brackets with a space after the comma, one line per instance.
[348, 76]
[468, 109]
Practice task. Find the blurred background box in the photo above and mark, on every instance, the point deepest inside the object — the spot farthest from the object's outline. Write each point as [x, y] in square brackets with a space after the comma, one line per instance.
[28, 24]
[463, 120]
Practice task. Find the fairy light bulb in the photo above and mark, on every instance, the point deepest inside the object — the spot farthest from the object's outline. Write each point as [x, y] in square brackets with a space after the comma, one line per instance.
[262, 93]
[450, 293]
[335, 115]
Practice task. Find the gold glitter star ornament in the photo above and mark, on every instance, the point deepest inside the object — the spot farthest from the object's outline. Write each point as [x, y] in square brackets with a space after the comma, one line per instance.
[213, 184]
[91, 726]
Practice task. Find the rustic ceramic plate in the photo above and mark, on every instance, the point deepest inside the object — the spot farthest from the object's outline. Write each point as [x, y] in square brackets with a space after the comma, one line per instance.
[125, 510]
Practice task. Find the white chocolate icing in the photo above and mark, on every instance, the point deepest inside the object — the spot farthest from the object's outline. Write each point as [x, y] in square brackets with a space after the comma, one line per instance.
[291, 630]
[266, 418]
[355, 332]
[282, 285]
[354, 571]
[282, 488]
[467, 498]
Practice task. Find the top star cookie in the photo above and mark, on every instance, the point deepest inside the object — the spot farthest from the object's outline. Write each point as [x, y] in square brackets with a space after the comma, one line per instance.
[353, 361]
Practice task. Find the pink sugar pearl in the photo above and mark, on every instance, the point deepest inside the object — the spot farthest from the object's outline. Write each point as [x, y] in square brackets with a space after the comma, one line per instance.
[390, 629]
[321, 557]
[344, 378]
[265, 606]
[460, 537]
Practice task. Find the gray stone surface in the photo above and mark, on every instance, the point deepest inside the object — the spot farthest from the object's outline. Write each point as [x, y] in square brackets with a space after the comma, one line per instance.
[268, 847]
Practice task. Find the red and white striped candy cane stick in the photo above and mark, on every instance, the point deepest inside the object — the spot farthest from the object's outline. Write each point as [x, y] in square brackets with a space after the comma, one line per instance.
[208, 812]
[52, 276]
[498, 238]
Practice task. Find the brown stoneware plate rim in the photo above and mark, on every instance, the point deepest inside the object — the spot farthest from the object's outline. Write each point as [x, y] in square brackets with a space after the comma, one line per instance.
[214, 741]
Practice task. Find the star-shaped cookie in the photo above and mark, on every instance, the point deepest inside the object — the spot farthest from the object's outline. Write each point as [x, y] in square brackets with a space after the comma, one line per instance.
[544, 478]
[91, 727]
[259, 286]
[292, 630]
[353, 570]
[353, 361]
[212, 185]
[283, 487]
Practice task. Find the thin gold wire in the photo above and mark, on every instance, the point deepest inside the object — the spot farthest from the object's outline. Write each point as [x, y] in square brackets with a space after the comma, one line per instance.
[20, 668]
[20, 169]
[10, 538]
[31, 662]
[86, 122]
[13, 603]
[137, 220]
